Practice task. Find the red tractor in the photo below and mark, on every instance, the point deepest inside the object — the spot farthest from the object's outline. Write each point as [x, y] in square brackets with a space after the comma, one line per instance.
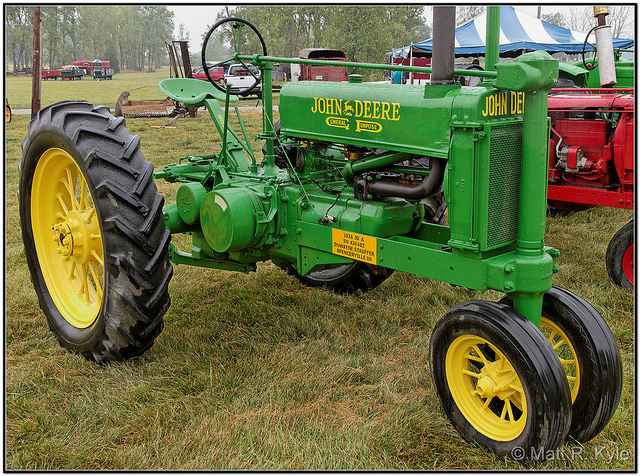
[591, 162]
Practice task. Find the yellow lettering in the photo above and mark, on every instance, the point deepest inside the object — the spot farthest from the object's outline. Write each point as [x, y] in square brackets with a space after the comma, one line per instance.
[485, 113]
[514, 102]
[338, 106]
[367, 109]
[396, 111]
[314, 108]
[385, 110]
[358, 108]
[376, 110]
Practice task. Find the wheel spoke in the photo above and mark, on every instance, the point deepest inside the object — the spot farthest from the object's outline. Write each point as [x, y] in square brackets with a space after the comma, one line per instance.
[558, 344]
[475, 358]
[483, 359]
[62, 204]
[97, 257]
[96, 279]
[84, 201]
[552, 336]
[504, 409]
[507, 403]
[470, 373]
[72, 270]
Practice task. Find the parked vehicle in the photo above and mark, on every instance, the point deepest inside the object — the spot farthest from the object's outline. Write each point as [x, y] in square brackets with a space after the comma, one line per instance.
[242, 79]
[591, 163]
[216, 73]
[88, 66]
[71, 73]
[309, 72]
[99, 73]
[48, 74]
[518, 377]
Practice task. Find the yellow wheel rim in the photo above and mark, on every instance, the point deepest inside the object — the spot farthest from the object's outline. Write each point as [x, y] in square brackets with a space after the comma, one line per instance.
[566, 353]
[486, 388]
[67, 238]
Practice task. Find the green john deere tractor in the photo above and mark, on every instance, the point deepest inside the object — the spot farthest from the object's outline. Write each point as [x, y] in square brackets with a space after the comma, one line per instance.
[340, 199]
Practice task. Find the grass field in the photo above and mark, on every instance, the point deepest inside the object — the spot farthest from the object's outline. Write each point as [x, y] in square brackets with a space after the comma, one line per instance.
[104, 92]
[258, 372]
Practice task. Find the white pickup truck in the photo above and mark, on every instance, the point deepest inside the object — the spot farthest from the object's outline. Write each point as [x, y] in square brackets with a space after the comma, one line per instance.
[240, 79]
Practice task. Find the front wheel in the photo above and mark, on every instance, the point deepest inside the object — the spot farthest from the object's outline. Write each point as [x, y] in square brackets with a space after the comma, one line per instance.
[620, 257]
[499, 381]
[95, 240]
[589, 356]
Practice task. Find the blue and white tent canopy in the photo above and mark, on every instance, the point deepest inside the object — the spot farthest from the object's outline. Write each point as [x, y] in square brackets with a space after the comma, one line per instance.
[518, 32]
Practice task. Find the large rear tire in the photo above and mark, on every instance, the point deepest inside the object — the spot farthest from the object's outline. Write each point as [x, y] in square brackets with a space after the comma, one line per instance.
[94, 236]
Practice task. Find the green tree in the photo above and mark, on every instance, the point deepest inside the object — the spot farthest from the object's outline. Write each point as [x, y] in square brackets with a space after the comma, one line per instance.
[70, 35]
[52, 34]
[466, 13]
[19, 35]
[553, 18]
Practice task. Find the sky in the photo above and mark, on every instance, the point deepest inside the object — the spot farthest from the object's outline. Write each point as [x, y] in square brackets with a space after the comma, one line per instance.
[196, 18]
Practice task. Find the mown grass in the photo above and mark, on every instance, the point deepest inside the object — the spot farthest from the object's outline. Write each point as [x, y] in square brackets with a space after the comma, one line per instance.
[258, 372]
[106, 92]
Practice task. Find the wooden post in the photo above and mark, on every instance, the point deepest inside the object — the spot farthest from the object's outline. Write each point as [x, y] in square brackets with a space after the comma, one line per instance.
[37, 62]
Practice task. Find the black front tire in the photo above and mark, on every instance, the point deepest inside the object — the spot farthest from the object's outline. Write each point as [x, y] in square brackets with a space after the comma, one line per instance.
[499, 381]
[589, 355]
[102, 282]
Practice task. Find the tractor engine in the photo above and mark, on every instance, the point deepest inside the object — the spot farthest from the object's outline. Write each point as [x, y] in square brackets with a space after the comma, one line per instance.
[590, 140]
[363, 158]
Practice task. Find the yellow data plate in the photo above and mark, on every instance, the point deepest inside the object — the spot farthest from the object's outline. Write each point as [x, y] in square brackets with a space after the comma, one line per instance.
[354, 246]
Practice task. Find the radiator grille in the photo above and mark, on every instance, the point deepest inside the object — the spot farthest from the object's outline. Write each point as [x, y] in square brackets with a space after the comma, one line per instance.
[505, 158]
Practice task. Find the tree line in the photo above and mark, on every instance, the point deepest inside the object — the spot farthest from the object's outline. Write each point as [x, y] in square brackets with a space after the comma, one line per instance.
[364, 33]
[130, 37]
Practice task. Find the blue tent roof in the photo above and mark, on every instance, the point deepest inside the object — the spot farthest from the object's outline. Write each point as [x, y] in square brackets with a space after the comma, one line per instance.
[518, 31]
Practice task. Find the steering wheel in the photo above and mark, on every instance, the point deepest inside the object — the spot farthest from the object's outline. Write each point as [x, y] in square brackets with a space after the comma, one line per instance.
[237, 24]
[594, 62]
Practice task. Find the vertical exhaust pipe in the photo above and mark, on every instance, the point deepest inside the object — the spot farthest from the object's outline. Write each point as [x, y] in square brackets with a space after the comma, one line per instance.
[444, 43]
[604, 44]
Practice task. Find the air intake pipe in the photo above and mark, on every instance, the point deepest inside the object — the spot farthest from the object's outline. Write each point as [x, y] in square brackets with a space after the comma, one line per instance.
[369, 186]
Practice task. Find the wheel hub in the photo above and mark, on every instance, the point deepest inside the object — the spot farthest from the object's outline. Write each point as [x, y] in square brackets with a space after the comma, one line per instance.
[495, 381]
[78, 236]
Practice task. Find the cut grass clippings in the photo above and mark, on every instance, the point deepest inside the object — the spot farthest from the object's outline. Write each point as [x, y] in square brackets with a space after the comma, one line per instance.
[258, 372]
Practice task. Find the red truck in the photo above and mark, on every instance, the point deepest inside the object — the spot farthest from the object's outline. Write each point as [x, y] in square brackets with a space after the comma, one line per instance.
[307, 72]
[89, 65]
[48, 74]
[216, 72]
[591, 163]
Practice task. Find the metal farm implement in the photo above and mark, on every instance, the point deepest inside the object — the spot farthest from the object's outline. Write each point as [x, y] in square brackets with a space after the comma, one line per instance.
[341, 199]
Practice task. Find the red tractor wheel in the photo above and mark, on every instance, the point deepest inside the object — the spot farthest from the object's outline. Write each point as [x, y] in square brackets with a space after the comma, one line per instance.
[620, 257]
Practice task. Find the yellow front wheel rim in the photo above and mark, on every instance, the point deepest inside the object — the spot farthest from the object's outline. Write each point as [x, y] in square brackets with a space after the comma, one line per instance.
[67, 238]
[486, 388]
[566, 353]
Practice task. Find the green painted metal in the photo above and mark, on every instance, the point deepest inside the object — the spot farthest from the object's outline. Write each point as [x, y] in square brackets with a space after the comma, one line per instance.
[370, 115]
[493, 38]
[310, 215]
